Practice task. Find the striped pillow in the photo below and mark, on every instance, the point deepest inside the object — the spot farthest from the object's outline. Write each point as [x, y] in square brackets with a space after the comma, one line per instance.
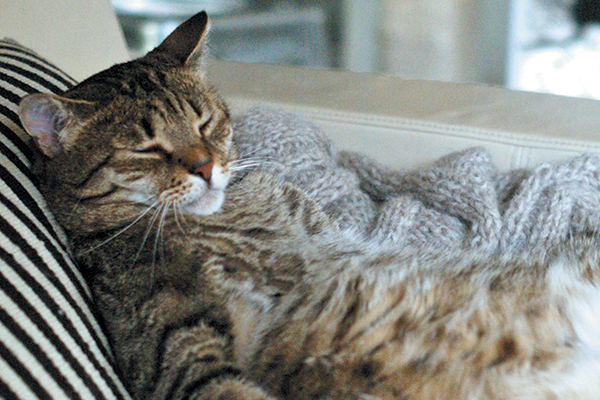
[51, 345]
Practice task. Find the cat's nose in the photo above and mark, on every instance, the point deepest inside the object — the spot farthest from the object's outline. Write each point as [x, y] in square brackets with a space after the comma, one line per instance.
[203, 169]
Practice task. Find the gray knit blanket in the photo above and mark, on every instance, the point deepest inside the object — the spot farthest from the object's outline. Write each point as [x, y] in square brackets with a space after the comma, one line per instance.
[461, 201]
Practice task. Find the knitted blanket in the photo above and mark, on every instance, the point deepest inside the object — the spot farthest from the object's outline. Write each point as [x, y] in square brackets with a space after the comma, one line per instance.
[460, 201]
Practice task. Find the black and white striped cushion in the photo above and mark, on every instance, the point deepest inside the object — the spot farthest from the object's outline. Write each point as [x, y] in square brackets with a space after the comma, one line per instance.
[51, 346]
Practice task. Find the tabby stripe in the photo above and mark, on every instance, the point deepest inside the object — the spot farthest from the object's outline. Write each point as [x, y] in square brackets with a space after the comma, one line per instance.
[176, 384]
[218, 126]
[147, 126]
[180, 102]
[351, 312]
[324, 300]
[298, 303]
[156, 110]
[202, 128]
[171, 105]
[197, 110]
[389, 312]
[223, 372]
[93, 197]
[92, 172]
[189, 322]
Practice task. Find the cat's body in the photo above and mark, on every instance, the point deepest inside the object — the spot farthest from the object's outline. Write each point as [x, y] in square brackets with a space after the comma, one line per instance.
[254, 293]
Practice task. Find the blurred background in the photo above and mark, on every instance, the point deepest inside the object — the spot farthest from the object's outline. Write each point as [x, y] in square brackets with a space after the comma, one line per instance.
[548, 46]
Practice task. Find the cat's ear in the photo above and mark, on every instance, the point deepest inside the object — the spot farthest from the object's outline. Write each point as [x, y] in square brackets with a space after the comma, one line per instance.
[47, 118]
[187, 42]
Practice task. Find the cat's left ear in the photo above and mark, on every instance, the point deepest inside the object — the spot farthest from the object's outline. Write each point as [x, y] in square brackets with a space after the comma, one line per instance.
[187, 42]
[49, 119]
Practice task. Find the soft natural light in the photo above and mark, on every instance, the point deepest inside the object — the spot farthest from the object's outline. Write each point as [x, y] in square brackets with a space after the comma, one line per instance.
[571, 68]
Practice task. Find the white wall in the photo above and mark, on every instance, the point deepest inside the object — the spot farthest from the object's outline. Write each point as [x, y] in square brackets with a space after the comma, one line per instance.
[80, 36]
[450, 40]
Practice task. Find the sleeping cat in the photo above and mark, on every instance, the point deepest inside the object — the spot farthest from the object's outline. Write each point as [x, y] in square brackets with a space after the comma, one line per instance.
[247, 290]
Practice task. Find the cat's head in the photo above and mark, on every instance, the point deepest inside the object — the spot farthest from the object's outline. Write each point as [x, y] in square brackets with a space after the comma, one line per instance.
[150, 132]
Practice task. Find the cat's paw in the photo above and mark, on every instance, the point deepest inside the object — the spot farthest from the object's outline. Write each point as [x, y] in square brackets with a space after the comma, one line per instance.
[234, 389]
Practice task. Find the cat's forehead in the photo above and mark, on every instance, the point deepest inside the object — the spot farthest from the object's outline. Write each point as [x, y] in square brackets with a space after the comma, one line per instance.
[170, 97]
[140, 80]
[148, 97]
[171, 119]
[142, 99]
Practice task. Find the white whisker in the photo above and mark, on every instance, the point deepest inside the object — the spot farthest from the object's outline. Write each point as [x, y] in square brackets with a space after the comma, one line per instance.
[121, 231]
[249, 163]
[158, 249]
[241, 166]
[73, 209]
[259, 160]
[176, 211]
[247, 155]
[147, 233]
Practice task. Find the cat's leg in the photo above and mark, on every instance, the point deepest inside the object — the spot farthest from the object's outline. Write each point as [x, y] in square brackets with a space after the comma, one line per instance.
[196, 364]
[174, 345]
[231, 389]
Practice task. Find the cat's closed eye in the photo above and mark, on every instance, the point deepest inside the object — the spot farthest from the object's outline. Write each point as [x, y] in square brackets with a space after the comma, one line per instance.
[150, 149]
[155, 150]
[202, 129]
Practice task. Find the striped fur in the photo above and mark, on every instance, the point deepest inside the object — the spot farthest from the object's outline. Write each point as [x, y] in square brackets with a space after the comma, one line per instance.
[51, 345]
[260, 295]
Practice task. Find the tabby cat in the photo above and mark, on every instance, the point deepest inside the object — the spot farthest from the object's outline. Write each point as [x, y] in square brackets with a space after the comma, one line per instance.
[245, 290]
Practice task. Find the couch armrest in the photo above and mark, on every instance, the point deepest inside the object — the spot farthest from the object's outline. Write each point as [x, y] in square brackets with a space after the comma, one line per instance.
[407, 122]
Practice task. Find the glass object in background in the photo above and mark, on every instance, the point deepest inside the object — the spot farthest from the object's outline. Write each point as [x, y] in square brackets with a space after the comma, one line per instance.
[252, 31]
[283, 35]
[174, 8]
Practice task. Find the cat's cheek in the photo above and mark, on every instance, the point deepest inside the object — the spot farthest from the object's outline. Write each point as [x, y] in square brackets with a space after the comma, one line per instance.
[141, 191]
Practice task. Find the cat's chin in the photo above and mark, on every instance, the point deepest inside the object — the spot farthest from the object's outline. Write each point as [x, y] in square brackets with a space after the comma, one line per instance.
[203, 199]
[209, 203]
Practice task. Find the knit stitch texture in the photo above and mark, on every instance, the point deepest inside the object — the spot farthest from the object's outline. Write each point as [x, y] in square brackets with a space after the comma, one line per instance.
[459, 202]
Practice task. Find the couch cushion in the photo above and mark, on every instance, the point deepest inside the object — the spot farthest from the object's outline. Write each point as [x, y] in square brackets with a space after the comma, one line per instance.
[51, 345]
[407, 123]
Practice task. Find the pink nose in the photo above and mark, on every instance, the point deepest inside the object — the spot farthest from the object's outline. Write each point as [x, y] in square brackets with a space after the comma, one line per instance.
[205, 170]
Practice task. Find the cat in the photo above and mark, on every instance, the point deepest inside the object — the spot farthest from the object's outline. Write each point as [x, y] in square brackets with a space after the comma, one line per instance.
[219, 288]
